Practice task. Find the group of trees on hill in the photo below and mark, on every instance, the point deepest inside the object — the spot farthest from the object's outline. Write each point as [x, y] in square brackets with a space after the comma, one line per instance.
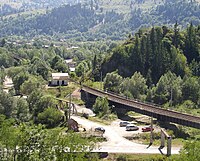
[154, 52]
[159, 65]
[170, 90]
[182, 11]
[166, 13]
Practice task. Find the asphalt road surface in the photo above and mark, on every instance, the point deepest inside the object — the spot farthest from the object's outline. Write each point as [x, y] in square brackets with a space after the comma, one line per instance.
[116, 143]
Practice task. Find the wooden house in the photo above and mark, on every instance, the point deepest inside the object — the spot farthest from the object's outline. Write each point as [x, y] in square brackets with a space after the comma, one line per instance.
[59, 79]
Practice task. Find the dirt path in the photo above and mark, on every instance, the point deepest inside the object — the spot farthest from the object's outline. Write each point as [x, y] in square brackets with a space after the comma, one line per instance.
[116, 143]
[76, 93]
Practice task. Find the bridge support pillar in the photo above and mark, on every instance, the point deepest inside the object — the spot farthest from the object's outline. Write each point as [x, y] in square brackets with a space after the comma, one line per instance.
[162, 139]
[169, 144]
[84, 96]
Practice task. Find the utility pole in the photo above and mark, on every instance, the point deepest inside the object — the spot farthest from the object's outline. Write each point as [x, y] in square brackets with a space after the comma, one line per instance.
[101, 81]
[171, 97]
[70, 105]
[151, 134]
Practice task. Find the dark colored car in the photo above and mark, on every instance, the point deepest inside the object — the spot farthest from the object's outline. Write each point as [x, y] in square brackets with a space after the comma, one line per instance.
[85, 115]
[123, 123]
[146, 129]
[99, 129]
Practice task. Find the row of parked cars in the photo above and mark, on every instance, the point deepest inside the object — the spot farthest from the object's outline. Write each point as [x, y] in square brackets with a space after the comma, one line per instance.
[131, 127]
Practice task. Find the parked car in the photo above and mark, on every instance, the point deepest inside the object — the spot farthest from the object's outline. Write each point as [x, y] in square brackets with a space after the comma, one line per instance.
[85, 115]
[99, 129]
[131, 127]
[146, 129]
[123, 123]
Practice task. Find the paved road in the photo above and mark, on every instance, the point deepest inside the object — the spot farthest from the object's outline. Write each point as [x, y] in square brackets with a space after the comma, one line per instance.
[116, 143]
[83, 109]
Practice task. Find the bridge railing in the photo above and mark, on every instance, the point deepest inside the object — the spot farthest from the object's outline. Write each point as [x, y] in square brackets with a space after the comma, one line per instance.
[133, 99]
[149, 107]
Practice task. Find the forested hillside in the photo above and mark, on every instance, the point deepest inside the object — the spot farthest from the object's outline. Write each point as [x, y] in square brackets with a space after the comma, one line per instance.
[167, 13]
[160, 48]
[8, 7]
[66, 19]
[161, 65]
[94, 20]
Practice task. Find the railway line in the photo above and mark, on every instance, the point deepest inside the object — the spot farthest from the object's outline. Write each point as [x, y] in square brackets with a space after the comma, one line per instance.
[146, 108]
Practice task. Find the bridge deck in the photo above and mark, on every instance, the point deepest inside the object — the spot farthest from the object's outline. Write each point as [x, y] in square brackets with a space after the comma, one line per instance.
[143, 106]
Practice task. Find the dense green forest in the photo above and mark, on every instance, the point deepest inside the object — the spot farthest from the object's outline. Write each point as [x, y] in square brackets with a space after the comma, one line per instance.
[159, 48]
[159, 65]
[90, 21]
[19, 7]
[169, 12]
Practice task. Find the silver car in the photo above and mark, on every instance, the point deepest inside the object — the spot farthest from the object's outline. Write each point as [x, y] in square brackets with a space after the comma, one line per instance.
[131, 127]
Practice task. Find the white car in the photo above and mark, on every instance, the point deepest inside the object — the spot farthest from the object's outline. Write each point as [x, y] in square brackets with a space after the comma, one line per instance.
[131, 127]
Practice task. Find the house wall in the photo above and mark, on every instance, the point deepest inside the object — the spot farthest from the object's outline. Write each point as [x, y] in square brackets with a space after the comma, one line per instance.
[59, 82]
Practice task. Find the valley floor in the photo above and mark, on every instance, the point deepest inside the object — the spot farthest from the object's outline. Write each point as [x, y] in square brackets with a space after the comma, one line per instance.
[116, 143]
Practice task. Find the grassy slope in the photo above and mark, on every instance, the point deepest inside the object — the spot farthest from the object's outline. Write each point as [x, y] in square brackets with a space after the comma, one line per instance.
[123, 6]
[16, 4]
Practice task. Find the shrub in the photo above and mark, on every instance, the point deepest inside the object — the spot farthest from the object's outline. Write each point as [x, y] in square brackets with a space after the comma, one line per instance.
[51, 117]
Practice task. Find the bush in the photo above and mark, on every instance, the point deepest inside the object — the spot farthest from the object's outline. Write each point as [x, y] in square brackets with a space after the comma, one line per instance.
[51, 117]
[101, 107]
[122, 158]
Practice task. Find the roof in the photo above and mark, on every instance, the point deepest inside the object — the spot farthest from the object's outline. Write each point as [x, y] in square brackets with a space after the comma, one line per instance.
[72, 69]
[68, 60]
[57, 76]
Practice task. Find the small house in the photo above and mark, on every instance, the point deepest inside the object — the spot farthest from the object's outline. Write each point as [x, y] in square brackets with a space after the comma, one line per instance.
[71, 64]
[59, 79]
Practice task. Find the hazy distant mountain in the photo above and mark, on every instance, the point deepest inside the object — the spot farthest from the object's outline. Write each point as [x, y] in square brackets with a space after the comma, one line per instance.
[8, 7]
[100, 19]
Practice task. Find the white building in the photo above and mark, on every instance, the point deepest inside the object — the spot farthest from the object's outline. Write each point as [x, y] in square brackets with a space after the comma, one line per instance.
[59, 79]
[72, 69]
[71, 64]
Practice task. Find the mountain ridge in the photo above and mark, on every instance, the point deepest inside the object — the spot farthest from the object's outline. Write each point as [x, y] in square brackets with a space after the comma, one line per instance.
[93, 22]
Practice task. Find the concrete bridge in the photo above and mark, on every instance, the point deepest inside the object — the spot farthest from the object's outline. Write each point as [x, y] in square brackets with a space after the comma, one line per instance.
[89, 95]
